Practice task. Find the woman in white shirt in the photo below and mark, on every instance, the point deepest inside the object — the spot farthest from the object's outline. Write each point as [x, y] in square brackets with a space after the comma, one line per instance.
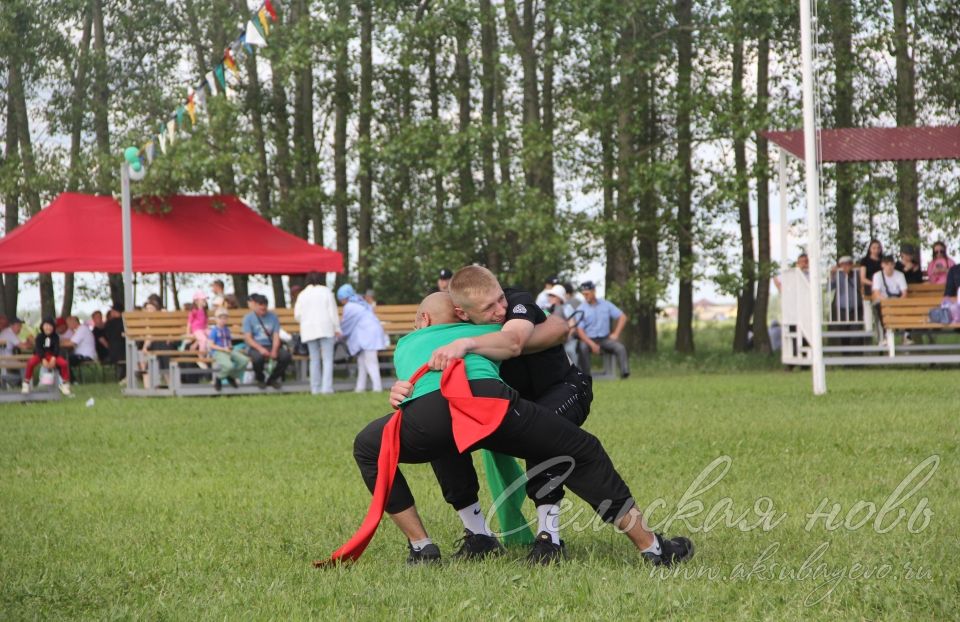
[316, 310]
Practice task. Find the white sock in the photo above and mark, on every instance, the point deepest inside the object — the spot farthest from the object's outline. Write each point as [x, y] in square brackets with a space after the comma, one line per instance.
[473, 519]
[548, 519]
[653, 548]
[419, 544]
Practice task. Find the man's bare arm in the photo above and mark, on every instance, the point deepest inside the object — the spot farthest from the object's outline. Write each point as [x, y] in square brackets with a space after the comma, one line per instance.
[504, 344]
[551, 333]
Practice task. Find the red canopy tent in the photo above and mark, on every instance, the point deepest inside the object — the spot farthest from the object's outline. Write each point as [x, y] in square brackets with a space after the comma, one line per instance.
[82, 233]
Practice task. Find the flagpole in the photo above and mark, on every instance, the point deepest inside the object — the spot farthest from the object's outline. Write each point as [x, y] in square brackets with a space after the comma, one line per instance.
[813, 200]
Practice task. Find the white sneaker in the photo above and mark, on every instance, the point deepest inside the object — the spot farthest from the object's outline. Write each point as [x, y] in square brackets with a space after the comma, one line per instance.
[25, 388]
[65, 388]
[907, 341]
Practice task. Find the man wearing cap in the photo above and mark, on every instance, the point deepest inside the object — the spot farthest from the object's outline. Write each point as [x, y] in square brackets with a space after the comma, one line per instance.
[595, 333]
[543, 298]
[443, 281]
[261, 333]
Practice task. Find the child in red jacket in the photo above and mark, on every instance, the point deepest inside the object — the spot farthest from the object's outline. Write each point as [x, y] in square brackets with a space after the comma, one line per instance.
[46, 352]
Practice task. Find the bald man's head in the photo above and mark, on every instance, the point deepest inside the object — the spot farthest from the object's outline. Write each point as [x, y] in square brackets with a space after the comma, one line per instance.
[437, 308]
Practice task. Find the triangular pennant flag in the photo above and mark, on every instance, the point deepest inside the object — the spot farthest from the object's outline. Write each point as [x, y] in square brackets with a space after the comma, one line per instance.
[269, 7]
[163, 142]
[253, 36]
[181, 113]
[262, 16]
[230, 93]
[172, 131]
[151, 151]
[221, 79]
[192, 111]
[211, 83]
[228, 61]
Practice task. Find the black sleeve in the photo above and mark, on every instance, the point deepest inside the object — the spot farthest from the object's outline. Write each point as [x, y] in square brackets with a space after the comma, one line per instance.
[953, 275]
[522, 306]
[55, 344]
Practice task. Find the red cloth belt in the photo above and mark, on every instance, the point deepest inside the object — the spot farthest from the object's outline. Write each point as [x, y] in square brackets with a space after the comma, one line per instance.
[473, 419]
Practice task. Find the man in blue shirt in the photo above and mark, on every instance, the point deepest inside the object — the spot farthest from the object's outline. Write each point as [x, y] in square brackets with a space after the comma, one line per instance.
[261, 333]
[594, 330]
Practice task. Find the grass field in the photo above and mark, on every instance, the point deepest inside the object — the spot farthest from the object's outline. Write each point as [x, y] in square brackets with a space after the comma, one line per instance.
[214, 508]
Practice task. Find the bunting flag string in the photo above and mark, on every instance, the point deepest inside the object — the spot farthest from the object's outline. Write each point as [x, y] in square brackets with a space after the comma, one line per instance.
[254, 33]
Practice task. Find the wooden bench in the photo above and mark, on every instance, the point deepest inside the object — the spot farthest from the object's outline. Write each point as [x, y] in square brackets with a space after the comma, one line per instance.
[12, 393]
[913, 314]
[171, 326]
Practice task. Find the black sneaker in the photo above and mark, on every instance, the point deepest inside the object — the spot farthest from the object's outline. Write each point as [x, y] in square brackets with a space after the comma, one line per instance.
[672, 551]
[233, 382]
[216, 385]
[261, 384]
[477, 546]
[429, 554]
[545, 552]
[276, 384]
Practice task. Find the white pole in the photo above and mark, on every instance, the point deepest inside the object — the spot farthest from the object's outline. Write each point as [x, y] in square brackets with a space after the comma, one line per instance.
[813, 198]
[784, 255]
[131, 346]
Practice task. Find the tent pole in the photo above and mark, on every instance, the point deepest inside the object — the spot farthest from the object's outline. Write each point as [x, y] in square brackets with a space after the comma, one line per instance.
[131, 346]
[813, 198]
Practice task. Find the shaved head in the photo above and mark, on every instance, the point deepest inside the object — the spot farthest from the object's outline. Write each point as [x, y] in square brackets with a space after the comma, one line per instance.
[437, 308]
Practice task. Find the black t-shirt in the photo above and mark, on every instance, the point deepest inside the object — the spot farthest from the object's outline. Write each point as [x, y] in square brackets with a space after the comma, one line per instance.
[113, 330]
[872, 265]
[532, 374]
[911, 276]
[953, 281]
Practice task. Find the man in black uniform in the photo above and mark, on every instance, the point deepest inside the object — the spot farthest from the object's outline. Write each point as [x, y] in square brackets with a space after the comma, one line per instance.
[542, 374]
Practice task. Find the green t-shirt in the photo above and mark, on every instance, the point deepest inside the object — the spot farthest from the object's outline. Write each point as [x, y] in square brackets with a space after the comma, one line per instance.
[414, 350]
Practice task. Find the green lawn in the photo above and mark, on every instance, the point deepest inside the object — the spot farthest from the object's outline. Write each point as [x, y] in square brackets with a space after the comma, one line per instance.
[214, 508]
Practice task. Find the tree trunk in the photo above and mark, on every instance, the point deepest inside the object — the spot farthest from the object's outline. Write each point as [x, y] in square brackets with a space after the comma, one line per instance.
[907, 212]
[241, 289]
[11, 198]
[462, 72]
[254, 98]
[76, 128]
[101, 125]
[47, 303]
[842, 35]
[648, 222]
[488, 87]
[522, 34]
[687, 260]
[546, 160]
[342, 111]
[761, 337]
[620, 222]
[173, 291]
[279, 297]
[433, 88]
[365, 147]
[745, 299]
